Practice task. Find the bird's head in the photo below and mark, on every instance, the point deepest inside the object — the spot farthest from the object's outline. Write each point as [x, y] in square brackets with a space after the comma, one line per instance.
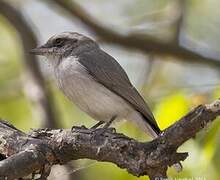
[63, 45]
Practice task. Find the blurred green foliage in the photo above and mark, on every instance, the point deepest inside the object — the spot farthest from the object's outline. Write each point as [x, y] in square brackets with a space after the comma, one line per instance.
[14, 106]
[204, 151]
[171, 108]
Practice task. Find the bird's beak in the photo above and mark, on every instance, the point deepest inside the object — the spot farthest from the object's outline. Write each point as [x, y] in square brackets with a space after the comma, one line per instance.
[41, 50]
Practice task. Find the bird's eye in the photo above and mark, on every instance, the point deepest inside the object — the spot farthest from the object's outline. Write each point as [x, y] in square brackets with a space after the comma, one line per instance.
[59, 42]
[74, 40]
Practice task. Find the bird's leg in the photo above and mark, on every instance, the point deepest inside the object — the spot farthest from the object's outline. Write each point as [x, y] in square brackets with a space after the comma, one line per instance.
[94, 129]
[97, 124]
[77, 129]
[105, 127]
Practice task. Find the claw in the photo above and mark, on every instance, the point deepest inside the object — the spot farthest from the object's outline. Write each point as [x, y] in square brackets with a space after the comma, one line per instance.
[79, 129]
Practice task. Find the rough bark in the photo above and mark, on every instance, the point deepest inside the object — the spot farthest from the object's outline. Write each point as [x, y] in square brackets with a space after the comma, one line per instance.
[22, 154]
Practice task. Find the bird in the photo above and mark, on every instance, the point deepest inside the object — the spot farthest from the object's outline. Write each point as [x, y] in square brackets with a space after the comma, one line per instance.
[95, 82]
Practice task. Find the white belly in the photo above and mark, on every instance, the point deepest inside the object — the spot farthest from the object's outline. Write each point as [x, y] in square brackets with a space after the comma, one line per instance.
[90, 96]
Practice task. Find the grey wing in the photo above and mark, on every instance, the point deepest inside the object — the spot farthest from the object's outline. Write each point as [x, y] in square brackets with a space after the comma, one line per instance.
[106, 70]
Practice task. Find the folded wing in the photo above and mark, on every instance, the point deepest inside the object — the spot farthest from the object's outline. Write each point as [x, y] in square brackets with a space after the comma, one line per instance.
[106, 70]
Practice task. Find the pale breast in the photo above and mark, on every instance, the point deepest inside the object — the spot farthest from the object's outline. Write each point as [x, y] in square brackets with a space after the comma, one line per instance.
[90, 96]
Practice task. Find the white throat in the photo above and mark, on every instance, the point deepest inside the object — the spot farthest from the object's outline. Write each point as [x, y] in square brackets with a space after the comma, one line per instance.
[53, 60]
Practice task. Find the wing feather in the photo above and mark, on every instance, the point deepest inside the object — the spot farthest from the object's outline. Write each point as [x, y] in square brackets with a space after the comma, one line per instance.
[106, 70]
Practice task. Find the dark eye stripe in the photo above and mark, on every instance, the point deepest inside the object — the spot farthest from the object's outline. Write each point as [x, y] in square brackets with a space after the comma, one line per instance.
[74, 40]
[59, 40]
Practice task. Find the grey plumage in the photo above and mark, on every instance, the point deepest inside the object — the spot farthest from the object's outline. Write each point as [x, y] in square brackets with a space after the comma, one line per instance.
[96, 82]
[107, 71]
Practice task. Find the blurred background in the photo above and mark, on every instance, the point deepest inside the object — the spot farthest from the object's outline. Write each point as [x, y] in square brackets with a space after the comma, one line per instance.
[169, 48]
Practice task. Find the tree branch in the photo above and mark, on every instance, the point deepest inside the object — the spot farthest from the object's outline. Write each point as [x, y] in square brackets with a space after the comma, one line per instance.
[141, 42]
[180, 20]
[22, 153]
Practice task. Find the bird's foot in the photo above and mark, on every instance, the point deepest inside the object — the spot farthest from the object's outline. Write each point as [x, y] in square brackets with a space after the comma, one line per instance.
[94, 129]
[79, 129]
[101, 133]
[105, 128]
[97, 125]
